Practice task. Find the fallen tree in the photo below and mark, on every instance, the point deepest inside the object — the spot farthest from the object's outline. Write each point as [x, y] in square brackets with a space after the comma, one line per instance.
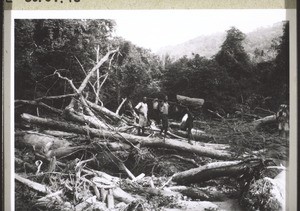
[210, 150]
[218, 169]
[268, 119]
[188, 101]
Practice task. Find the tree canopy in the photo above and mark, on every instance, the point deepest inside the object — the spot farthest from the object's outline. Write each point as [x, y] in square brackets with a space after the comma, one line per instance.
[228, 79]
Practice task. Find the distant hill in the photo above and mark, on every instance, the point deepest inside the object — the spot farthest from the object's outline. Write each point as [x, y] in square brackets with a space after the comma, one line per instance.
[257, 44]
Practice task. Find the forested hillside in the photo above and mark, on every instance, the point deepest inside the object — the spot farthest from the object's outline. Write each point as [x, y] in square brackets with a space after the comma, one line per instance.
[88, 135]
[258, 44]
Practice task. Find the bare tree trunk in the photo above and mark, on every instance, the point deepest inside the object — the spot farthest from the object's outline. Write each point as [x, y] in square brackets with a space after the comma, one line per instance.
[98, 76]
[209, 150]
[215, 170]
[34, 185]
[268, 119]
[120, 106]
[40, 104]
[104, 111]
[97, 66]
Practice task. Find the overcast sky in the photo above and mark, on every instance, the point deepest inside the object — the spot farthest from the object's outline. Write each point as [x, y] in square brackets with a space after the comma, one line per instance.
[156, 29]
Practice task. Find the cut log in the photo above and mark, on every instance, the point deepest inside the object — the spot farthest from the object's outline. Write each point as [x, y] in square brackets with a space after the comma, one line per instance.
[188, 101]
[215, 170]
[209, 150]
[268, 119]
[42, 143]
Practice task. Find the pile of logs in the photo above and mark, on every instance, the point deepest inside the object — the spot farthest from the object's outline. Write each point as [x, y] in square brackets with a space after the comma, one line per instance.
[65, 174]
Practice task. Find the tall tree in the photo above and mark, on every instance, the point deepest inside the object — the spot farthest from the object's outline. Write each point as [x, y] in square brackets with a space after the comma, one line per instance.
[233, 57]
[43, 45]
[278, 84]
[232, 54]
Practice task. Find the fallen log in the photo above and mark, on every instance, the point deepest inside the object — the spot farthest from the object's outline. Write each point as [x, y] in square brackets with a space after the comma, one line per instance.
[209, 150]
[188, 101]
[268, 119]
[215, 170]
[58, 133]
[84, 119]
[34, 185]
[39, 104]
[105, 111]
[193, 193]
[42, 143]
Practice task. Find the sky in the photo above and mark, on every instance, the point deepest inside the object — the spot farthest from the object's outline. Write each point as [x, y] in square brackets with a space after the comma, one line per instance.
[156, 29]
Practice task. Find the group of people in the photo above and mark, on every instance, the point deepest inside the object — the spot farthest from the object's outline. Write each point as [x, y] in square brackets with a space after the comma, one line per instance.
[160, 112]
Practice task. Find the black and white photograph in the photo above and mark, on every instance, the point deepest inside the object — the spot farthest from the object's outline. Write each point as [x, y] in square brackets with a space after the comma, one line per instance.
[151, 110]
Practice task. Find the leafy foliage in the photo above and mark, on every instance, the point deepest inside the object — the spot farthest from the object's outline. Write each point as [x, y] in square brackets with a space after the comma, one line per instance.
[70, 46]
[231, 78]
[227, 80]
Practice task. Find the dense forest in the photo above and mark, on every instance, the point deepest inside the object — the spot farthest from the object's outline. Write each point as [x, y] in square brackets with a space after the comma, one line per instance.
[76, 148]
[227, 81]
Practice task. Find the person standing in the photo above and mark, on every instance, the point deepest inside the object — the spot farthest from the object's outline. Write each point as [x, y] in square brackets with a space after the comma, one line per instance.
[282, 117]
[164, 109]
[142, 110]
[156, 111]
[189, 124]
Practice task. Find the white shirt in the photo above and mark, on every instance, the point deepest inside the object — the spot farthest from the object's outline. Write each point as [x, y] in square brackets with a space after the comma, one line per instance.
[165, 108]
[142, 107]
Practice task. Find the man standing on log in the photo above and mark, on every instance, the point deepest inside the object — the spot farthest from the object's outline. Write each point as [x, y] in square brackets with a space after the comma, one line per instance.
[164, 109]
[142, 110]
